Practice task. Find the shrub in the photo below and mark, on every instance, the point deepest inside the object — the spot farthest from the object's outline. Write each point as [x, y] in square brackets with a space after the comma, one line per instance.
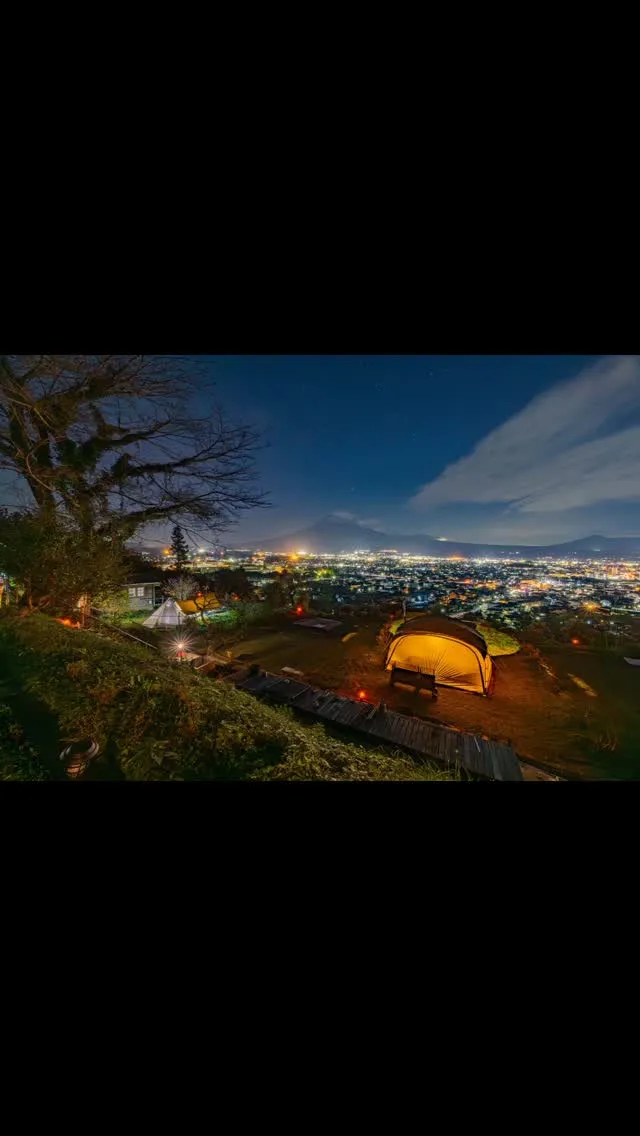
[19, 761]
[498, 642]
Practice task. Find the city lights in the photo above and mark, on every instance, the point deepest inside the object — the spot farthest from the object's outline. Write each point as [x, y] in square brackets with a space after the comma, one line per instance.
[508, 592]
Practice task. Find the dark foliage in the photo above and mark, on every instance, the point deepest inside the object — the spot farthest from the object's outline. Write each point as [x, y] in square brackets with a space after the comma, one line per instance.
[179, 547]
[109, 440]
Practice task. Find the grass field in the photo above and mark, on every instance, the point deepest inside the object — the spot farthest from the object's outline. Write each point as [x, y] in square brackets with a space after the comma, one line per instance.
[552, 720]
[609, 723]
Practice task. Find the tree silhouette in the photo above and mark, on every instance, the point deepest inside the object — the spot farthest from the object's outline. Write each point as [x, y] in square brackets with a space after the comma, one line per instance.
[229, 582]
[108, 441]
[179, 547]
[55, 564]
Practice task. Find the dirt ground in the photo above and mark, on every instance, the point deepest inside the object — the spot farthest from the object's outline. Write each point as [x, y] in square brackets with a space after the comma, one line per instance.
[578, 732]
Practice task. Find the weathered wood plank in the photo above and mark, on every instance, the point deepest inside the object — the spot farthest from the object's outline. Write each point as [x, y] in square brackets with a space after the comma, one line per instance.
[347, 712]
[447, 746]
[506, 764]
[386, 729]
[400, 729]
[408, 732]
[268, 681]
[470, 755]
[330, 708]
[398, 732]
[307, 699]
[363, 719]
[280, 689]
[449, 749]
[428, 739]
[484, 758]
[414, 734]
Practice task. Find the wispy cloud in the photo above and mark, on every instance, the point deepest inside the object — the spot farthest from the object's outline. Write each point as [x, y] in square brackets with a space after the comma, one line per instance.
[564, 450]
[365, 522]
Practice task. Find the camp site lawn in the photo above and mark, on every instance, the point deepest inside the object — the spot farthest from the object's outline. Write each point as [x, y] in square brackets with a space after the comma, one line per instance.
[552, 721]
[611, 719]
[323, 657]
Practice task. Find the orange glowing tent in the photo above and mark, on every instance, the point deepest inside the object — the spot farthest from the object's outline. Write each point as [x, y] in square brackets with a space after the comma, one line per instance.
[454, 653]
[202, 603]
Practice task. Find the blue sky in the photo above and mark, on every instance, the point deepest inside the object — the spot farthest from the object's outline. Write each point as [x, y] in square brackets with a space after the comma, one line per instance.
[500, 448]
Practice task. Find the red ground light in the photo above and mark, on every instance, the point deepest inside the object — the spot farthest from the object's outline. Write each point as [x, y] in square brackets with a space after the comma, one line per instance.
[576, 642]
[362, 694]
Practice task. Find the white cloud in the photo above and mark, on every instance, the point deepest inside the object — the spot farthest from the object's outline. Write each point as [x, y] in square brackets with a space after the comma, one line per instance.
[562, 451]
[364, 522]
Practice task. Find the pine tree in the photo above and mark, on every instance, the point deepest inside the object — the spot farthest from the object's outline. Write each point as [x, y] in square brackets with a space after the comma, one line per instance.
[179, 546]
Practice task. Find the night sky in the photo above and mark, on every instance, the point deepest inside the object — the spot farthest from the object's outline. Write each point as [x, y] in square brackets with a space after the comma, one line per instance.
[496, 448]
[503, 449]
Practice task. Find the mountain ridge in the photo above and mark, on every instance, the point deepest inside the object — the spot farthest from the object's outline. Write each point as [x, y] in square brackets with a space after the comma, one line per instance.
[333, 534]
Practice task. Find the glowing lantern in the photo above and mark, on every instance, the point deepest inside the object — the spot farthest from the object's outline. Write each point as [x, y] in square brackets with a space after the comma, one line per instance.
[362, 694]
[576, 642]
[299, 609]
[77, 756]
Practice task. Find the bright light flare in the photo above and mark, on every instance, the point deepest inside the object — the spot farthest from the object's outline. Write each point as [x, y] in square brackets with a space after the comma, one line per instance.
[362, 694]
[180, 644]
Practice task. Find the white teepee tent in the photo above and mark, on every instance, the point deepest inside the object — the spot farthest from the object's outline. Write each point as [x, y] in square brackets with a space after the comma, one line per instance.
[166, 616]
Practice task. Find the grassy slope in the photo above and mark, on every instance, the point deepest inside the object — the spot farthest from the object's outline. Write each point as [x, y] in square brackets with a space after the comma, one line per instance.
[156, 721]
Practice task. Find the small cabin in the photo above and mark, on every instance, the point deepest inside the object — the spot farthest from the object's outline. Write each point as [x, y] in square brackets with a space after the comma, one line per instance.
[143, 594]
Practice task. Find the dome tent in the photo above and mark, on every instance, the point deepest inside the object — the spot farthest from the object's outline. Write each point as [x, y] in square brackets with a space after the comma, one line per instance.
[202, 603]
[454, 653]
[166, 616]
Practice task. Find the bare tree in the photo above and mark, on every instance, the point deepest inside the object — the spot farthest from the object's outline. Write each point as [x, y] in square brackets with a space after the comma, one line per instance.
[179, 587]
[109, 441]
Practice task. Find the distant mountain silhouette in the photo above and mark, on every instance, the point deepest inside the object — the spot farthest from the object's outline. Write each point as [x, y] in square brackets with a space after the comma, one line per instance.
[331, 534]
